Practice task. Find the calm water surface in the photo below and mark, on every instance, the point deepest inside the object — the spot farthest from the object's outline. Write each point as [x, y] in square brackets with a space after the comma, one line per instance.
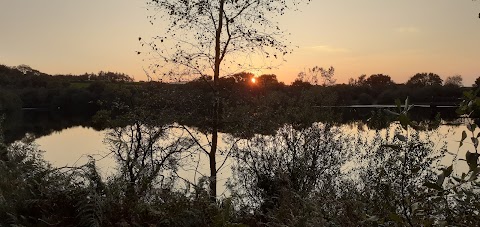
[73, 146]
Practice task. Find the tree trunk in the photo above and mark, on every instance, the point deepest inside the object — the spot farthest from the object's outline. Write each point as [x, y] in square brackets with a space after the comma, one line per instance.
[213, 165]
[216, 106]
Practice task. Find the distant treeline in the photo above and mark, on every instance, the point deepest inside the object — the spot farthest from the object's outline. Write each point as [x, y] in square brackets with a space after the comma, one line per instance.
[261, 99]
[24, 87]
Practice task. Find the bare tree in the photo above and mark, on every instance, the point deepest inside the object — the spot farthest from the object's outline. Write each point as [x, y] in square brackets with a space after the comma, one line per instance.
[312, 76]
[199, 37]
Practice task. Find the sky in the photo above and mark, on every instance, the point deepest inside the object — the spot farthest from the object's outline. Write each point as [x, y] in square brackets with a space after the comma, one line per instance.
[398, 38]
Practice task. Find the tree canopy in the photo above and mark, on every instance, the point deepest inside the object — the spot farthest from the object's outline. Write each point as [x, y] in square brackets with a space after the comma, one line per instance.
[477, 82]
[201, 34]
[425, 79]
[377, 80]
[456, 81]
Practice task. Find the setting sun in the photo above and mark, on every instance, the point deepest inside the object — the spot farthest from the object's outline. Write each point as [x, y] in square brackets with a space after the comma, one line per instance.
[254, 80]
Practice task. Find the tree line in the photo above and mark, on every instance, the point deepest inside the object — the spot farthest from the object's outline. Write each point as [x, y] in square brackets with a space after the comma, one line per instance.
[23, 87]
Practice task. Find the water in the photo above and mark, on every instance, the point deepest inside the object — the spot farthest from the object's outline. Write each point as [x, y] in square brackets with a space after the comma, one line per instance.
[73, 146]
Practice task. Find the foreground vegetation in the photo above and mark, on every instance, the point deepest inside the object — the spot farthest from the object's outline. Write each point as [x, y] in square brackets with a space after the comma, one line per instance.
[288, 170]
[295, 177]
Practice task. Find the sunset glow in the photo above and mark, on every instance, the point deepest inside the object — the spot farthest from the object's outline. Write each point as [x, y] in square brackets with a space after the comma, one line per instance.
[355, 37]
[239, 112]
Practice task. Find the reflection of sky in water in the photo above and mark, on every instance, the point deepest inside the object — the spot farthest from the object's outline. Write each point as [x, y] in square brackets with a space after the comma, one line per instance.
[449, 134]
[72, 146]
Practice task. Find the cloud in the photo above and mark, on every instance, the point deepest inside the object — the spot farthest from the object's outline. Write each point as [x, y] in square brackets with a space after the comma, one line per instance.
[407, 30]
[329, 49]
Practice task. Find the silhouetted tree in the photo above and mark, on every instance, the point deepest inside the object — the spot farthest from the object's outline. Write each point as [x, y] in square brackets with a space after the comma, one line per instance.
[455, 81]
[267, 79]
[379, 80]
[201, 34]
[301, 84]
[25, 69]
[327, 76]
[360, 81]
[317, 73]
[242, 77]
[477, 82]
[351, 81]
[112, 77]
[425, 79]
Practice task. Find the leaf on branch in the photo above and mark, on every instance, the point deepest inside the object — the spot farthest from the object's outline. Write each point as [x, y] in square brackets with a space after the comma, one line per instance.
[440, 180]
[474, 174]
[448, 171]
[472, 160]
[432, 186]
[464, 136]
[401, 137]
[458, 179]
[475, 141]
[445, 173]
[471, 127]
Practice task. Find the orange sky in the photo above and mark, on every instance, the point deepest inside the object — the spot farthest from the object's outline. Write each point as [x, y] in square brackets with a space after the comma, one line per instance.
[398, 38]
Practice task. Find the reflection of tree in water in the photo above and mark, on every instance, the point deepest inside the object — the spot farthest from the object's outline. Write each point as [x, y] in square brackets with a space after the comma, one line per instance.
[148, 156]
[40, 123]
[284, 171]
[243, 121]
[378, 118]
